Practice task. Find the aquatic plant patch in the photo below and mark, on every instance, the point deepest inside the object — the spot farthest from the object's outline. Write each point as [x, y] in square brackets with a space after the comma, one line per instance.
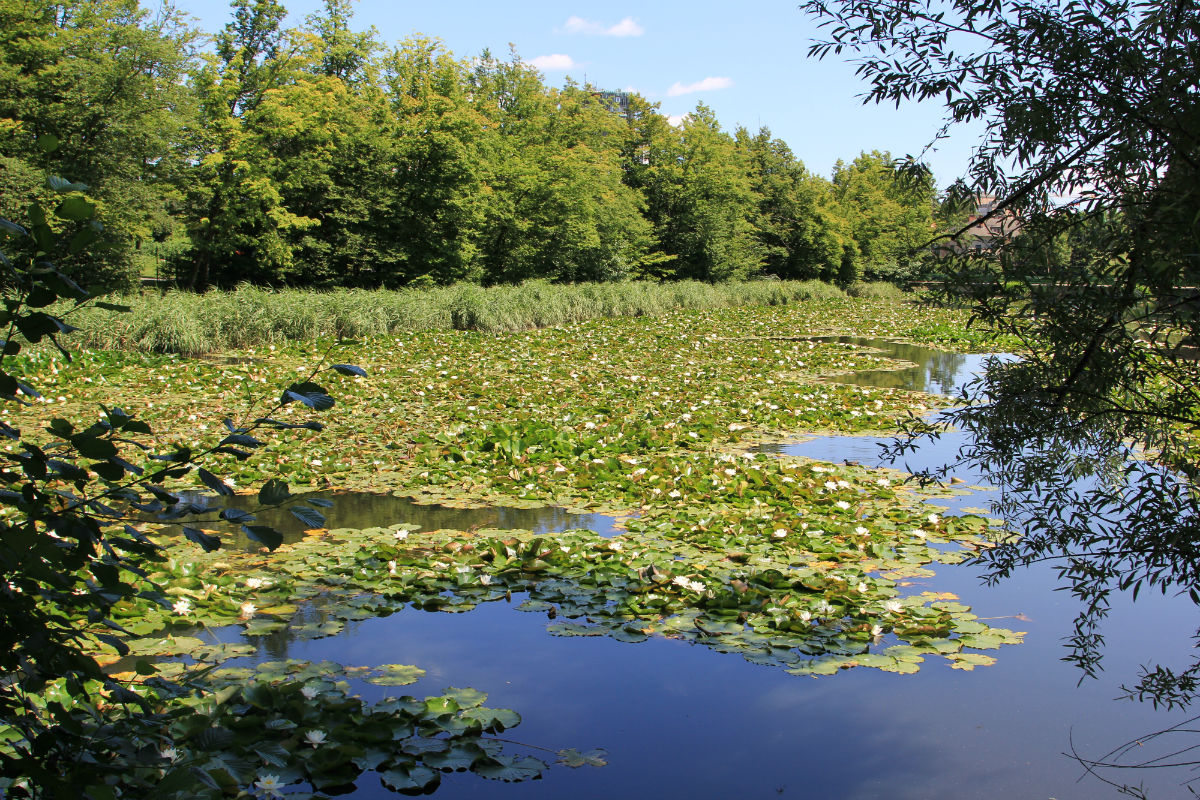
[802, 566]
[271, 730]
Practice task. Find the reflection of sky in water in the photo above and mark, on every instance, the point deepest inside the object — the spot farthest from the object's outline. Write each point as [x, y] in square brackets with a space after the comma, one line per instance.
[685, 721]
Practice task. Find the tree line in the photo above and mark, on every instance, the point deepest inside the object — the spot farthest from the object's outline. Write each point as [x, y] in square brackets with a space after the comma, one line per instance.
[319, 156]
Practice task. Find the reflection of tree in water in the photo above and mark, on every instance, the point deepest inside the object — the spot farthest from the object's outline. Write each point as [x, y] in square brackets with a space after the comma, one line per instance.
[936, 371]
[365, 510]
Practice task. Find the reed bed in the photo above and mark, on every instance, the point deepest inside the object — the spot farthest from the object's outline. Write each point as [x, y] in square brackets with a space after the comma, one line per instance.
[250, 316]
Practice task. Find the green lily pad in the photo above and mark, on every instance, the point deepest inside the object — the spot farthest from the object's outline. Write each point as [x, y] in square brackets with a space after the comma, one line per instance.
[414, 778]
[395, 675]
[509, 769]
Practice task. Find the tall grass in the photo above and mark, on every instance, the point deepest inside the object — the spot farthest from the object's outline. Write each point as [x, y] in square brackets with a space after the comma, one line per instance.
[192, 324]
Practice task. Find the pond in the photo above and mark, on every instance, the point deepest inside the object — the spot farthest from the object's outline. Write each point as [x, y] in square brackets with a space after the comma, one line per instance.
[680, 720]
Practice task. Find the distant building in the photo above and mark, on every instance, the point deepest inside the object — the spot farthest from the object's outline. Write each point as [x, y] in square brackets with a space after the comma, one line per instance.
[616, 102]
[984, 233]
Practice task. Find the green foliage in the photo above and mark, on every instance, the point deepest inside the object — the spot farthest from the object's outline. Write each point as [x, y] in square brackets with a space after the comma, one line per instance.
[191, 324]
[69, 557]
[698, 197]
[1091, 265]
[314, 156]
[105, 79]
[890, 217]
[805, 234]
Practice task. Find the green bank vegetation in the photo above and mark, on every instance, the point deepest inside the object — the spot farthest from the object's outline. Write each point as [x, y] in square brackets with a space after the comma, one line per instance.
[191, 324]
[322, 156]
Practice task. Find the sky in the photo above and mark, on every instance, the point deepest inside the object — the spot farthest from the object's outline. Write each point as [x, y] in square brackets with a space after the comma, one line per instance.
[748, 63]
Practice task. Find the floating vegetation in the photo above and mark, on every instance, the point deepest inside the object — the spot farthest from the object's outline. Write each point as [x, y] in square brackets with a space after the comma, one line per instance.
[809, 600]
[284, 723]
[805, 567]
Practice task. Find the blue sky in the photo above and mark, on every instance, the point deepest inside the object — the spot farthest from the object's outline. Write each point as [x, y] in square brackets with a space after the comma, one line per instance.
[748, 63]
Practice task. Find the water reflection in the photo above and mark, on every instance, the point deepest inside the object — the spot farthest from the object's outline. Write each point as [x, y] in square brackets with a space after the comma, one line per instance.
[366, 510]
[932, 371]
[684, 721]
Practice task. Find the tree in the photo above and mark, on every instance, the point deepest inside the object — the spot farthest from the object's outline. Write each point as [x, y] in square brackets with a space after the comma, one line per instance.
[1090, 117]
[558, 208]
[237, 221]
[801, 225]
[890, 218]
[106, 80]
[437, 196]
[698, 197]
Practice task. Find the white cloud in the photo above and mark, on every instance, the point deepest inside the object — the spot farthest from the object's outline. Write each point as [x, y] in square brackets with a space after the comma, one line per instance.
[626, 27]
[706, 85]
[555, 62]
[676, 120]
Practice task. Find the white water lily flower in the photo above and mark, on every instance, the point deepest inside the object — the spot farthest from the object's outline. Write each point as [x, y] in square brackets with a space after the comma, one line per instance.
[830, 485]
[182, 607]
[883, 482]
[316, 738]
[780, 533]
[934, 519]
[862, 587]
[805, 616]
[248, 610]
[843, 484]
[893, 606]
[679, 580]
[877, 630]
[169, 754]
[486, 580]
[309, 692]
[695, 586]
[861, 531]
[842, 504]
[824, 607]
[920, 534]
[254, 583]
[391, 568]
[674, 493]
[400, 535]
[268, 786]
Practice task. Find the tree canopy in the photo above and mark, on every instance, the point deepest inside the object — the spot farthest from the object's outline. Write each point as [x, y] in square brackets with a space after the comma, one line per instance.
[318, 155]
[1090, 150]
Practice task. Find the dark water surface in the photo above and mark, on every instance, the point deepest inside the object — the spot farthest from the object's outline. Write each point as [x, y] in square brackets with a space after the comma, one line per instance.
[682, 721]
[366, 510]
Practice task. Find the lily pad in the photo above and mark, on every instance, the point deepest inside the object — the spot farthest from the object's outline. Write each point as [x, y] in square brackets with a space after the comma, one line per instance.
[394, 675]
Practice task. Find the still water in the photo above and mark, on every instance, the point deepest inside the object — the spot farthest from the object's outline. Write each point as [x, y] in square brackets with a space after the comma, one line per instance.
[684, 721]
[366, 510]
